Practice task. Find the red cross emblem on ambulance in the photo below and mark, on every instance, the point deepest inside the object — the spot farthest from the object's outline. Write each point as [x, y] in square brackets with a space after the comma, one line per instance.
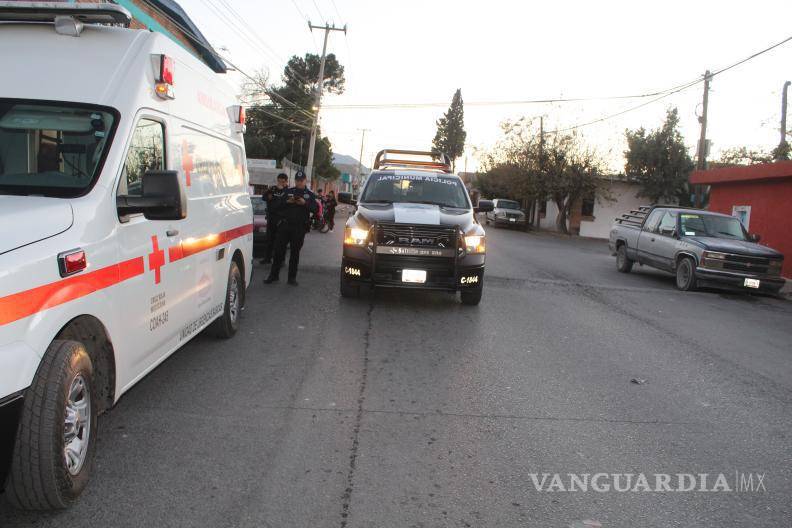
[156, 259]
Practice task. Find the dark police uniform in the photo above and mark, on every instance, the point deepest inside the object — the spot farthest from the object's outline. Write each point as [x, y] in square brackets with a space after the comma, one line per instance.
[291, 230]
[275, 201]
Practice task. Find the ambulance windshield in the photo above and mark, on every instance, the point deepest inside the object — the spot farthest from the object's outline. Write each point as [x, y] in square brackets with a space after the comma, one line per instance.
[51, 149]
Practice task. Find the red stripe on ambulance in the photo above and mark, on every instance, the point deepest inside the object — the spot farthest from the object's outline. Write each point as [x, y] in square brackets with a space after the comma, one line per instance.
[29, 302]
[26, 303]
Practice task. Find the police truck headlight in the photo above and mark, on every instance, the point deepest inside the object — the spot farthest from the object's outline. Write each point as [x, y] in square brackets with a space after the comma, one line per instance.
[475, 244]
[354, 236]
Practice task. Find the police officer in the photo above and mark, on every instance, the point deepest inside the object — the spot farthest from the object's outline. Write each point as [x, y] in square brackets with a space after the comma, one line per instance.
[298, 204]
[274, 197]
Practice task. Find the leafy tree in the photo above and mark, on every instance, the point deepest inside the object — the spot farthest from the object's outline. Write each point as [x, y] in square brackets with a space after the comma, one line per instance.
[743, 156]
[560, 168]
[279, 120]
[659, 161]
[451, 135]
[782, 151]
[571, 172]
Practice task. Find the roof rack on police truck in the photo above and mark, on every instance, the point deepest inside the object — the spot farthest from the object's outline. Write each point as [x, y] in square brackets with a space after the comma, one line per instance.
[65, 12]
[437, 160]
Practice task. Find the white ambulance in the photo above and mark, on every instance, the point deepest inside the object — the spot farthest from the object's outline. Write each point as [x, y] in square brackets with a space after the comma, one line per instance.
[125, 227]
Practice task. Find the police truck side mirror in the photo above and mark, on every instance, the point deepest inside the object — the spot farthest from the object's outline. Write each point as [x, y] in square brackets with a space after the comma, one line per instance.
[346, 198]
[484, 206]
[163, 198]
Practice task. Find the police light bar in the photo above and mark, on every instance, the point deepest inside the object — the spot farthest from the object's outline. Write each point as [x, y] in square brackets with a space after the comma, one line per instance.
[434, 160]
[164, 85]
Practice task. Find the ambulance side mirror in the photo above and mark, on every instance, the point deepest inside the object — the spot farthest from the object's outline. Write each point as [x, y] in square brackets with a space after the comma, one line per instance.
[163, 198]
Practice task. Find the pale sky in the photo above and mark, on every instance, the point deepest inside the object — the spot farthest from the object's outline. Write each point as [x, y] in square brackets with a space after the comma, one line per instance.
[421, 52]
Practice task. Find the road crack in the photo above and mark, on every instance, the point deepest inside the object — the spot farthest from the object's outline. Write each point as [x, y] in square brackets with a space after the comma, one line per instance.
[346, 498]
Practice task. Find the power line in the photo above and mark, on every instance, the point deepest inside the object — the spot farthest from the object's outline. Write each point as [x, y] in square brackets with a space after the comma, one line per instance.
[678, 89]
[335, 7]
[246, 31]
[230, 23]
[321, 16]
[302, 15]
[209, 49]
[660, 94]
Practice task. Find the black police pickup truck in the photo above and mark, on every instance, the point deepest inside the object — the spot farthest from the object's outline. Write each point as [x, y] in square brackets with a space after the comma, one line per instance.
[414, 226]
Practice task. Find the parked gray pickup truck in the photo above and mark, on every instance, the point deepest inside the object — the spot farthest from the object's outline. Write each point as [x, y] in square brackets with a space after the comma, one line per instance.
[701, 248]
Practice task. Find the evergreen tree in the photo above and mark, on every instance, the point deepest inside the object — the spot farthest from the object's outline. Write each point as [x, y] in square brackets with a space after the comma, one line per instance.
[450, 136]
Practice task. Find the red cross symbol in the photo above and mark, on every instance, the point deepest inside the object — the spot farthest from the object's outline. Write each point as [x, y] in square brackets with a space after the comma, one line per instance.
[156, 259]
[187, 161]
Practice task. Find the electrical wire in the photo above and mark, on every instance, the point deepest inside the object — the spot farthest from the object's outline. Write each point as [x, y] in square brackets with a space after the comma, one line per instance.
[249, 36]
[209, 49]
[676, 90]
[321, 16]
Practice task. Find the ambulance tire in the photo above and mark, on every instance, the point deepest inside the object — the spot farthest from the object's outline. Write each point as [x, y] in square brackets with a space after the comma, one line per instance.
[62, 395]
[226, 325]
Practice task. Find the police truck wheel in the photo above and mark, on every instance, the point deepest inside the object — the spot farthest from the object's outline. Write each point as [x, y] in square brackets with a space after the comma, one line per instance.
[349, 290]
[686, 275]
[55, 441]
[623, 262]
[226, 325]
[472, 297]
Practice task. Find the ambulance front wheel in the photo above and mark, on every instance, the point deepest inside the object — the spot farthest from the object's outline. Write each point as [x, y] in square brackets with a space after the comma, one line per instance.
[226, 325]
[55, 440]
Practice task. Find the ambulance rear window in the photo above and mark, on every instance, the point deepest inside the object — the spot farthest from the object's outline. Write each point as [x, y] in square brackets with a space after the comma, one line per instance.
[51, 149]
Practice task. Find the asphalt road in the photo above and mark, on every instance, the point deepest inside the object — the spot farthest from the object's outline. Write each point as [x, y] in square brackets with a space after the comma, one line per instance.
[407, 409]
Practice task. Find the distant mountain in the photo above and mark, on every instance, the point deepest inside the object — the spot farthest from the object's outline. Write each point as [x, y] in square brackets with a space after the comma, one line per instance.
[348, 162]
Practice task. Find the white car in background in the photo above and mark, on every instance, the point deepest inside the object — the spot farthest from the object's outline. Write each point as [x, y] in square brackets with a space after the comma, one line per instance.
[506, 212]
[125, 227]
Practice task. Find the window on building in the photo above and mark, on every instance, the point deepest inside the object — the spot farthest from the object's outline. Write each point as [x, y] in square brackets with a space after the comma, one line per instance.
[587, 207]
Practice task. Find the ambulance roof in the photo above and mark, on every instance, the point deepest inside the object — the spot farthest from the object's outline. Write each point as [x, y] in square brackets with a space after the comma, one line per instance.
[105, 65]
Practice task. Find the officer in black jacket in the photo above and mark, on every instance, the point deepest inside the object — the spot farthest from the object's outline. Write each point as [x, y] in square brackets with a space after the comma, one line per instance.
[298, 204]
[274, 197]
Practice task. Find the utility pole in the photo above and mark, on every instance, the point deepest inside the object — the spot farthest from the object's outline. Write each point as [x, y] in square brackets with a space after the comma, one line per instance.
[327, 29]
[702, 146]
[541, 163]
[360, 158]
[783, 142]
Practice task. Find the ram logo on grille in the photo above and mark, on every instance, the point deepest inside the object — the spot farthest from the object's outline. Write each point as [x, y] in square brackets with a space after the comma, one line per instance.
[416, 241]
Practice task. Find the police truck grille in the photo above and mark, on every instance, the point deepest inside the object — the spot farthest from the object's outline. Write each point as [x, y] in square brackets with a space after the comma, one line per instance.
[416, 235]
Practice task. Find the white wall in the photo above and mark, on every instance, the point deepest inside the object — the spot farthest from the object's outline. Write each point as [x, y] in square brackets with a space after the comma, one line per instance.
[605, 212]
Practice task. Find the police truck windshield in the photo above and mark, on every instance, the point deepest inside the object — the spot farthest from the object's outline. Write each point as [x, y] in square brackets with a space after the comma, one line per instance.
[416, 188]
[51, 149]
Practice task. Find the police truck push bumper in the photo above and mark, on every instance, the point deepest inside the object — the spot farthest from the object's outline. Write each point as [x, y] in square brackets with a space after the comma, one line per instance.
[402, 268]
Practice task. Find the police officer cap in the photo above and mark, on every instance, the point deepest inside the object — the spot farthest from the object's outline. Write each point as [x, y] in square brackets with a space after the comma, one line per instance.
[299, 175]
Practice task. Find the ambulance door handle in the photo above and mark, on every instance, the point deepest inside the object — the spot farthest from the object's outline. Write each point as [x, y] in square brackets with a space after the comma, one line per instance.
[172, 232]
